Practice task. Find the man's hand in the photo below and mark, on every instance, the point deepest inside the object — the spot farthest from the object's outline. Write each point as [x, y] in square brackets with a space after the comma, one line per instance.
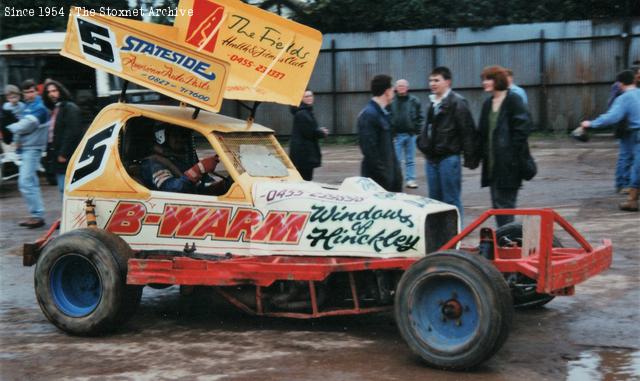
[62, 159]
[580, 133]
[209, 163]
[471, 163]
[205, 165]
[585, 124]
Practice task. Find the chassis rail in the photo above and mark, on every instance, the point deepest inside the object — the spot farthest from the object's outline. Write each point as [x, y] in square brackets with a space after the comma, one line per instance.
[556, 270]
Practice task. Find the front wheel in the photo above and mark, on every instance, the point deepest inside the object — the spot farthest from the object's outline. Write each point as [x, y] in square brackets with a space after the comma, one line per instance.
[80, 282]
[453, 309]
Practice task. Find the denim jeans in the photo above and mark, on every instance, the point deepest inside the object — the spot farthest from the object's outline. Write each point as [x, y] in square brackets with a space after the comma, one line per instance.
[445, 181]
[60, 181]
[28, 182]
[634, 175]
[625, 161]
[405, 146]
[504, 198]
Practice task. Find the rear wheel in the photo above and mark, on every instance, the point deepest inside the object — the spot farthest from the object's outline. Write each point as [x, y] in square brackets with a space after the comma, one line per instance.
[453, 309]
[80, 282]
[523, 289]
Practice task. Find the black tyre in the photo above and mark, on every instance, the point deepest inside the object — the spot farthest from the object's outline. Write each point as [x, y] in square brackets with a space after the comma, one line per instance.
[80, 282]
[453, 309]
[523, 289]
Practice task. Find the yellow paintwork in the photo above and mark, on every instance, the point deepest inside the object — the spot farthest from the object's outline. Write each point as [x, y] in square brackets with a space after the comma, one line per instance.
[251, 39]
[149, 68]
[114, 182]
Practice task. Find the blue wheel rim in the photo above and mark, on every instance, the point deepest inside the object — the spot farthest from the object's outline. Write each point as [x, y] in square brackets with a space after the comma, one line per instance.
[445, 313]
[75, 285]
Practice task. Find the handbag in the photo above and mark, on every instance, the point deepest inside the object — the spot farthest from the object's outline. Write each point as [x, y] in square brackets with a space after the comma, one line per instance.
[528, 166]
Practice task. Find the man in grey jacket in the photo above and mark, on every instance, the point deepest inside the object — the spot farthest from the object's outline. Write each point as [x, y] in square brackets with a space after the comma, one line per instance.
[30, 136]
[407, 119]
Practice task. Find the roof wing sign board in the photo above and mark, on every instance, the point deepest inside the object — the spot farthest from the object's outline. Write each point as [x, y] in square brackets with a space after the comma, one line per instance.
[271, 58]
[144, 54]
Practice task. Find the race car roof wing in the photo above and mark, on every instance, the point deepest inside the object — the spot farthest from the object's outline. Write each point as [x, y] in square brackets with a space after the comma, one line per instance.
[216, 49]
[271, 58]
[145, 54]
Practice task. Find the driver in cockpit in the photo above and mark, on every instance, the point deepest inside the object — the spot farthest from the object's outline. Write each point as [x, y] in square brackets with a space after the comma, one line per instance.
[171, 167]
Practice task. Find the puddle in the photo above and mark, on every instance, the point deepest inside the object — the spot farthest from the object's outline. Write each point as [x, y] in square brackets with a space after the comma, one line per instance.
[605, 365]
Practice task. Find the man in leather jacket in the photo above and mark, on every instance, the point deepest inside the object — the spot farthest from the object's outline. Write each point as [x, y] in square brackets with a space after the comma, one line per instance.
[448, 133]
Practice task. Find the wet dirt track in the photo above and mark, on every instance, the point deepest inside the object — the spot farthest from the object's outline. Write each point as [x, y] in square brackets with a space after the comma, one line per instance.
[592, 335]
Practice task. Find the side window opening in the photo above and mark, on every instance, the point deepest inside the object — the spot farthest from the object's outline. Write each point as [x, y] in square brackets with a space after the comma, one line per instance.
[159, 156]
[254, 153]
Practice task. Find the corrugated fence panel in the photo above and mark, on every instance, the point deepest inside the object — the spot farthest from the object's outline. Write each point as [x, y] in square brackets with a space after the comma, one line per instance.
[578, 103]
[467, 62]
[355, 69]
[349, 106]
[321, 78]
[581, 59]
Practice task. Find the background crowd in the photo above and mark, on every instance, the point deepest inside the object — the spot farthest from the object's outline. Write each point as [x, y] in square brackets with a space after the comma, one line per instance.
[394, 123]
[36, 124]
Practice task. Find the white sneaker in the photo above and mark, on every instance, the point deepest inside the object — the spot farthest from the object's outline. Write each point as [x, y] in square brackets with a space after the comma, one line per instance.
[412, 184]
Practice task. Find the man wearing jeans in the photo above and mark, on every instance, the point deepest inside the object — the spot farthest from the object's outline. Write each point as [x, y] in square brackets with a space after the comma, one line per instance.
[449, 132]
[30, 136]
[625, 107]
[406, 122]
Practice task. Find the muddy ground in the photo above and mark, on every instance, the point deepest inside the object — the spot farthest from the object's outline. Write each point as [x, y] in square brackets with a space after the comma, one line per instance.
[592, 335]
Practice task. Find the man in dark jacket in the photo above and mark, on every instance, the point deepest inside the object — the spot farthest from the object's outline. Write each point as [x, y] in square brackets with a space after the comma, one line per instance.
[65, 129]
[449, 132]
[406, 122]
[374, 134]
[304, 149]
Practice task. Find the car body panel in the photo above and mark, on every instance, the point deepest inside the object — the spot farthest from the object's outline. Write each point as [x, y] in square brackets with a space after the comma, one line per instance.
[259, 215]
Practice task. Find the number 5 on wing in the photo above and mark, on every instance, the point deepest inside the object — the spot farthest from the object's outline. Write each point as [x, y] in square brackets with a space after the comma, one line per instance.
[98, 43]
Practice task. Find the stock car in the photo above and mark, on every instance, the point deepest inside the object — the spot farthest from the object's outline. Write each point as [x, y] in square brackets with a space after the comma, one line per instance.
[274, 245]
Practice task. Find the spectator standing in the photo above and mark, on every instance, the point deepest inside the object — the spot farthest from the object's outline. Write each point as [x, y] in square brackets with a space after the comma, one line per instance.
[65, 129]
[30, 136]
[406, 122]
[625, 107]
[304, 148]
[449, 132]
[625, 146]
[374, 134]
[13, 107]
[504, 127]
[517, 89]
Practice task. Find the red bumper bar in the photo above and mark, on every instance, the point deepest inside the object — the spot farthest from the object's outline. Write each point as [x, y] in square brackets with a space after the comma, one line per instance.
[556, 269]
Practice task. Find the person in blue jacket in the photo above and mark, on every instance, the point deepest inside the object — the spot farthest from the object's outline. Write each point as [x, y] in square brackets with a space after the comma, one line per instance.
[374, 136]
[30, 137]
[625, 107]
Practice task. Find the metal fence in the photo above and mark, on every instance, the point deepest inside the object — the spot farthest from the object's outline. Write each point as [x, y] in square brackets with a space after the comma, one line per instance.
[566, 68]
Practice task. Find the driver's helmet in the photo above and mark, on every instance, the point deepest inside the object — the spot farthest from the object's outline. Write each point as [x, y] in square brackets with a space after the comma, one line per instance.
[173, 139]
